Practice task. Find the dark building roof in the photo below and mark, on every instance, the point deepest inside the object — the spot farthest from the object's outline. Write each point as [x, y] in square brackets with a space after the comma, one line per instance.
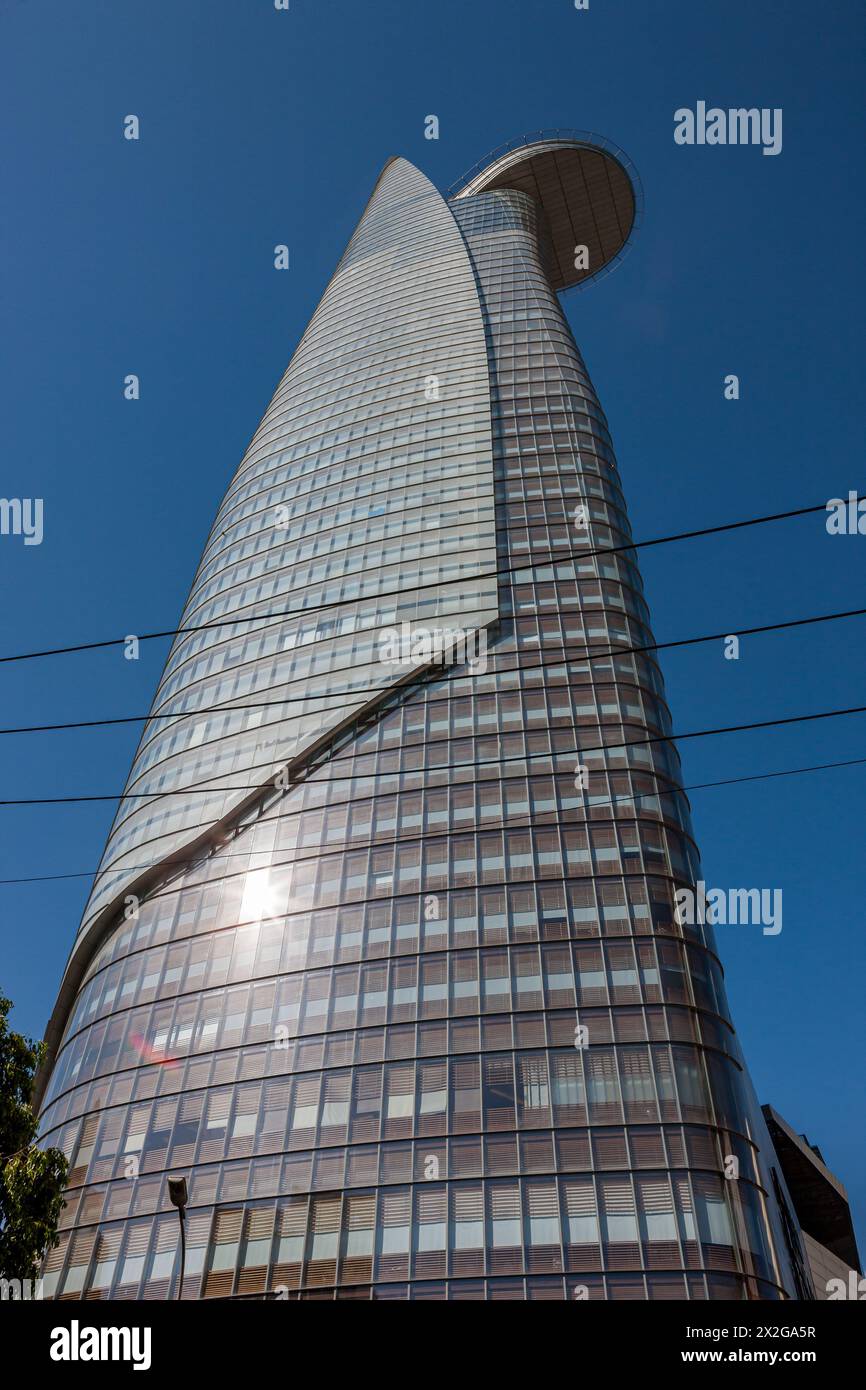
[820, 1200]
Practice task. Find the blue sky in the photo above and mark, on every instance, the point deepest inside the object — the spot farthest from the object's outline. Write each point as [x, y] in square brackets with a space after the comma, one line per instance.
[156, 257]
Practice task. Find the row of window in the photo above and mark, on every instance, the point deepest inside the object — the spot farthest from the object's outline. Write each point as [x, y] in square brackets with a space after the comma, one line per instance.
[364, 472]
[397, 540]
[242, 743]
[602, 505]
[402, 1100]
[386, 513]
[460, 755]
[140, 1188]
[397, 990]
[317, 672]
[277, 1012]
[401, 989]
[404, 539]
[434, 862]
[662, 1220]
[580, 908]
[634, 830]
[615, 1288]
[271, 487]
[388, 1042]
[436, 720]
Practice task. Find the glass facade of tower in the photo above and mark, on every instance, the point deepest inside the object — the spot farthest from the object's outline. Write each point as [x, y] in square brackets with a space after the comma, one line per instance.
[398, 983]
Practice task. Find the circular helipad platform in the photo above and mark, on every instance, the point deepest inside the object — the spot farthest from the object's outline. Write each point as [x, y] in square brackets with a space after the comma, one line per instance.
[590, 193]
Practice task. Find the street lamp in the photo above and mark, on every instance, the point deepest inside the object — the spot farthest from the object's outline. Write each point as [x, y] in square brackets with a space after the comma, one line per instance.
[179, 1197]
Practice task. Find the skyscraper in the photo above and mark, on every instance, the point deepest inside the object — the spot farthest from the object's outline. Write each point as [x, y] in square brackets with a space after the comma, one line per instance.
[382, 953]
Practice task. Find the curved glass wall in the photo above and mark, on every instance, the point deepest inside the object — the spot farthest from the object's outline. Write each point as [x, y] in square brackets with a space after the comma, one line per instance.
[364, 500]
[420, 1021]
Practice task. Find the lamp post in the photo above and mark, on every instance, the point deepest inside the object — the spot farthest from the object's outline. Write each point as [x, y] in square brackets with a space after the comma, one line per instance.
[179, 1197]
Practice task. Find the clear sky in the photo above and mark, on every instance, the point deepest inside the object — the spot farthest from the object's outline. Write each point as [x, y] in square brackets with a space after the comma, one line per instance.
[156, 257]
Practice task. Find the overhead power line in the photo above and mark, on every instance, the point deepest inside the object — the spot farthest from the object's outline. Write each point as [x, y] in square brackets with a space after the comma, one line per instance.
[446, 767]
[589, 655]
[526, 564]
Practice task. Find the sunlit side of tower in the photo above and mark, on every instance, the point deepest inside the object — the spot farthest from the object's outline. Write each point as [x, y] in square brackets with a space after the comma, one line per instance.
[393, 974]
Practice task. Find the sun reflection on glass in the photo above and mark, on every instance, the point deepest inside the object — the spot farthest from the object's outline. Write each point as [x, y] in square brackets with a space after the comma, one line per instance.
[260, 899]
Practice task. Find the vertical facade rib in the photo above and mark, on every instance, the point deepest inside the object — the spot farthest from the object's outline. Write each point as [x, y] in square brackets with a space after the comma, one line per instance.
[415, 1017]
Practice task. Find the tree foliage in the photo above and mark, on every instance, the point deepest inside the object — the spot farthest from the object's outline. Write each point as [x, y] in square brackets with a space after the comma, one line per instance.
[31, 1179]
